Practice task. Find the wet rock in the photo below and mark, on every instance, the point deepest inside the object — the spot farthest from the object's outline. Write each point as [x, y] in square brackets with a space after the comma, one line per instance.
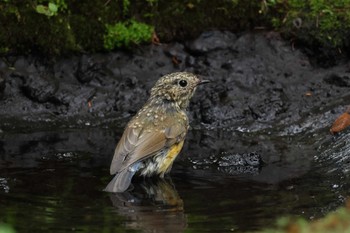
[64, 96]
[131, 82]
[39, 88]
[2, 85]
[239, 170]
[177, 54]
[130, 96]
[258, 82]
[212, 40]
[190, 61]
[252, 159]
[269, 107]
[231, 160]
[245, 159]
[87, 69]
[339, 81]
[235, 164]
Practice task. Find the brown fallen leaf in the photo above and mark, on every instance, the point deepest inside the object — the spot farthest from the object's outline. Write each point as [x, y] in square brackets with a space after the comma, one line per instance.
[342, 122]
[175, 60]
[309, 93]
[155, 39]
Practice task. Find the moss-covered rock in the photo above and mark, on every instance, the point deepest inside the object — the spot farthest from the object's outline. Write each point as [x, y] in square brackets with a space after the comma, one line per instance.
[23, 30]
[61, 26]
[321, 26]
[335, 222]
[70, 26]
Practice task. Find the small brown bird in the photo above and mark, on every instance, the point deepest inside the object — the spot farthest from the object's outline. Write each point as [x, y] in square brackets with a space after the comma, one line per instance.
[155, 135]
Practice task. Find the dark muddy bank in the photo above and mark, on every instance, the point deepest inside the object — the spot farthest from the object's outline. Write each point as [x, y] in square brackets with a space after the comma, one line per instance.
[259, 82]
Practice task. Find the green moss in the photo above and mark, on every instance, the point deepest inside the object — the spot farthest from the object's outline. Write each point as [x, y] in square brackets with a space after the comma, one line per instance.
[125, 34]
[335, 222]
[324, 22]
[4, 228]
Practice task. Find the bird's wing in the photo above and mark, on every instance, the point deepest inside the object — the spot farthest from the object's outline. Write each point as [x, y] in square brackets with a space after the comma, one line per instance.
[136, 145]
[126, 144]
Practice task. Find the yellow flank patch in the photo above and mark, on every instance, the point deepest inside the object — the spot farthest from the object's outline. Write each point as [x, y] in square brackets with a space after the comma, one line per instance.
[170, 157]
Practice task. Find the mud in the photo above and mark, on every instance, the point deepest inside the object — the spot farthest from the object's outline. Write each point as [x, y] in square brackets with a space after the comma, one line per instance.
[259, 82]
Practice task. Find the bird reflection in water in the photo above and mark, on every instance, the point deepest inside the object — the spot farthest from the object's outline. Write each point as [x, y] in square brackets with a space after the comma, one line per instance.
[153, 205]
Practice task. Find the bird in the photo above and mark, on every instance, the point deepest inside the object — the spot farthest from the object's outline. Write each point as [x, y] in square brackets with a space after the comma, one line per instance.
[155, 135]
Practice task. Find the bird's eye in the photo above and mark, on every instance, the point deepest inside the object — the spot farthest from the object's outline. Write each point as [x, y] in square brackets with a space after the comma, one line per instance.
[183, 83]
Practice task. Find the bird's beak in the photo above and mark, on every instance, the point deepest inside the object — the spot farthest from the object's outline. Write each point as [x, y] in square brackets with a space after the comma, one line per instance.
[203, 81]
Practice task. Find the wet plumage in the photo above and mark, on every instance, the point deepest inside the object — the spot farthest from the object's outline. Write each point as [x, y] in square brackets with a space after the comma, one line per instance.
[155, 135]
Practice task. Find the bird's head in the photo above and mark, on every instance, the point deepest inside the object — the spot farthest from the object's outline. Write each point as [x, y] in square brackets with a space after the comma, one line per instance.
[176, 87]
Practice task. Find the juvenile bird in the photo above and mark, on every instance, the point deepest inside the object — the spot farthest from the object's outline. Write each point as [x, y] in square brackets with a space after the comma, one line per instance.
[155, 135]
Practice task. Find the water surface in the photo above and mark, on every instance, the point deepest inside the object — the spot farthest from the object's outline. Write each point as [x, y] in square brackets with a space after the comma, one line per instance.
[52, 181]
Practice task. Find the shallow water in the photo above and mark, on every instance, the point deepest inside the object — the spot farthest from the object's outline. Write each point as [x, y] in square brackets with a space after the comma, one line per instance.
[51, 182]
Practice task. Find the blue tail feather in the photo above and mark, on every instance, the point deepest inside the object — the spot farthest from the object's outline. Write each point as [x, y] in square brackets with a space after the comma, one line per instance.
[122, 180]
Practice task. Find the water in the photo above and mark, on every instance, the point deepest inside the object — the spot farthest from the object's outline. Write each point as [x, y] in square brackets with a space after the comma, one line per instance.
[52, 181]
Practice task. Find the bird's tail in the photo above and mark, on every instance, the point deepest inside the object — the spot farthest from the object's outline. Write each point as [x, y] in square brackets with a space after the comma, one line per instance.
[121, 180]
